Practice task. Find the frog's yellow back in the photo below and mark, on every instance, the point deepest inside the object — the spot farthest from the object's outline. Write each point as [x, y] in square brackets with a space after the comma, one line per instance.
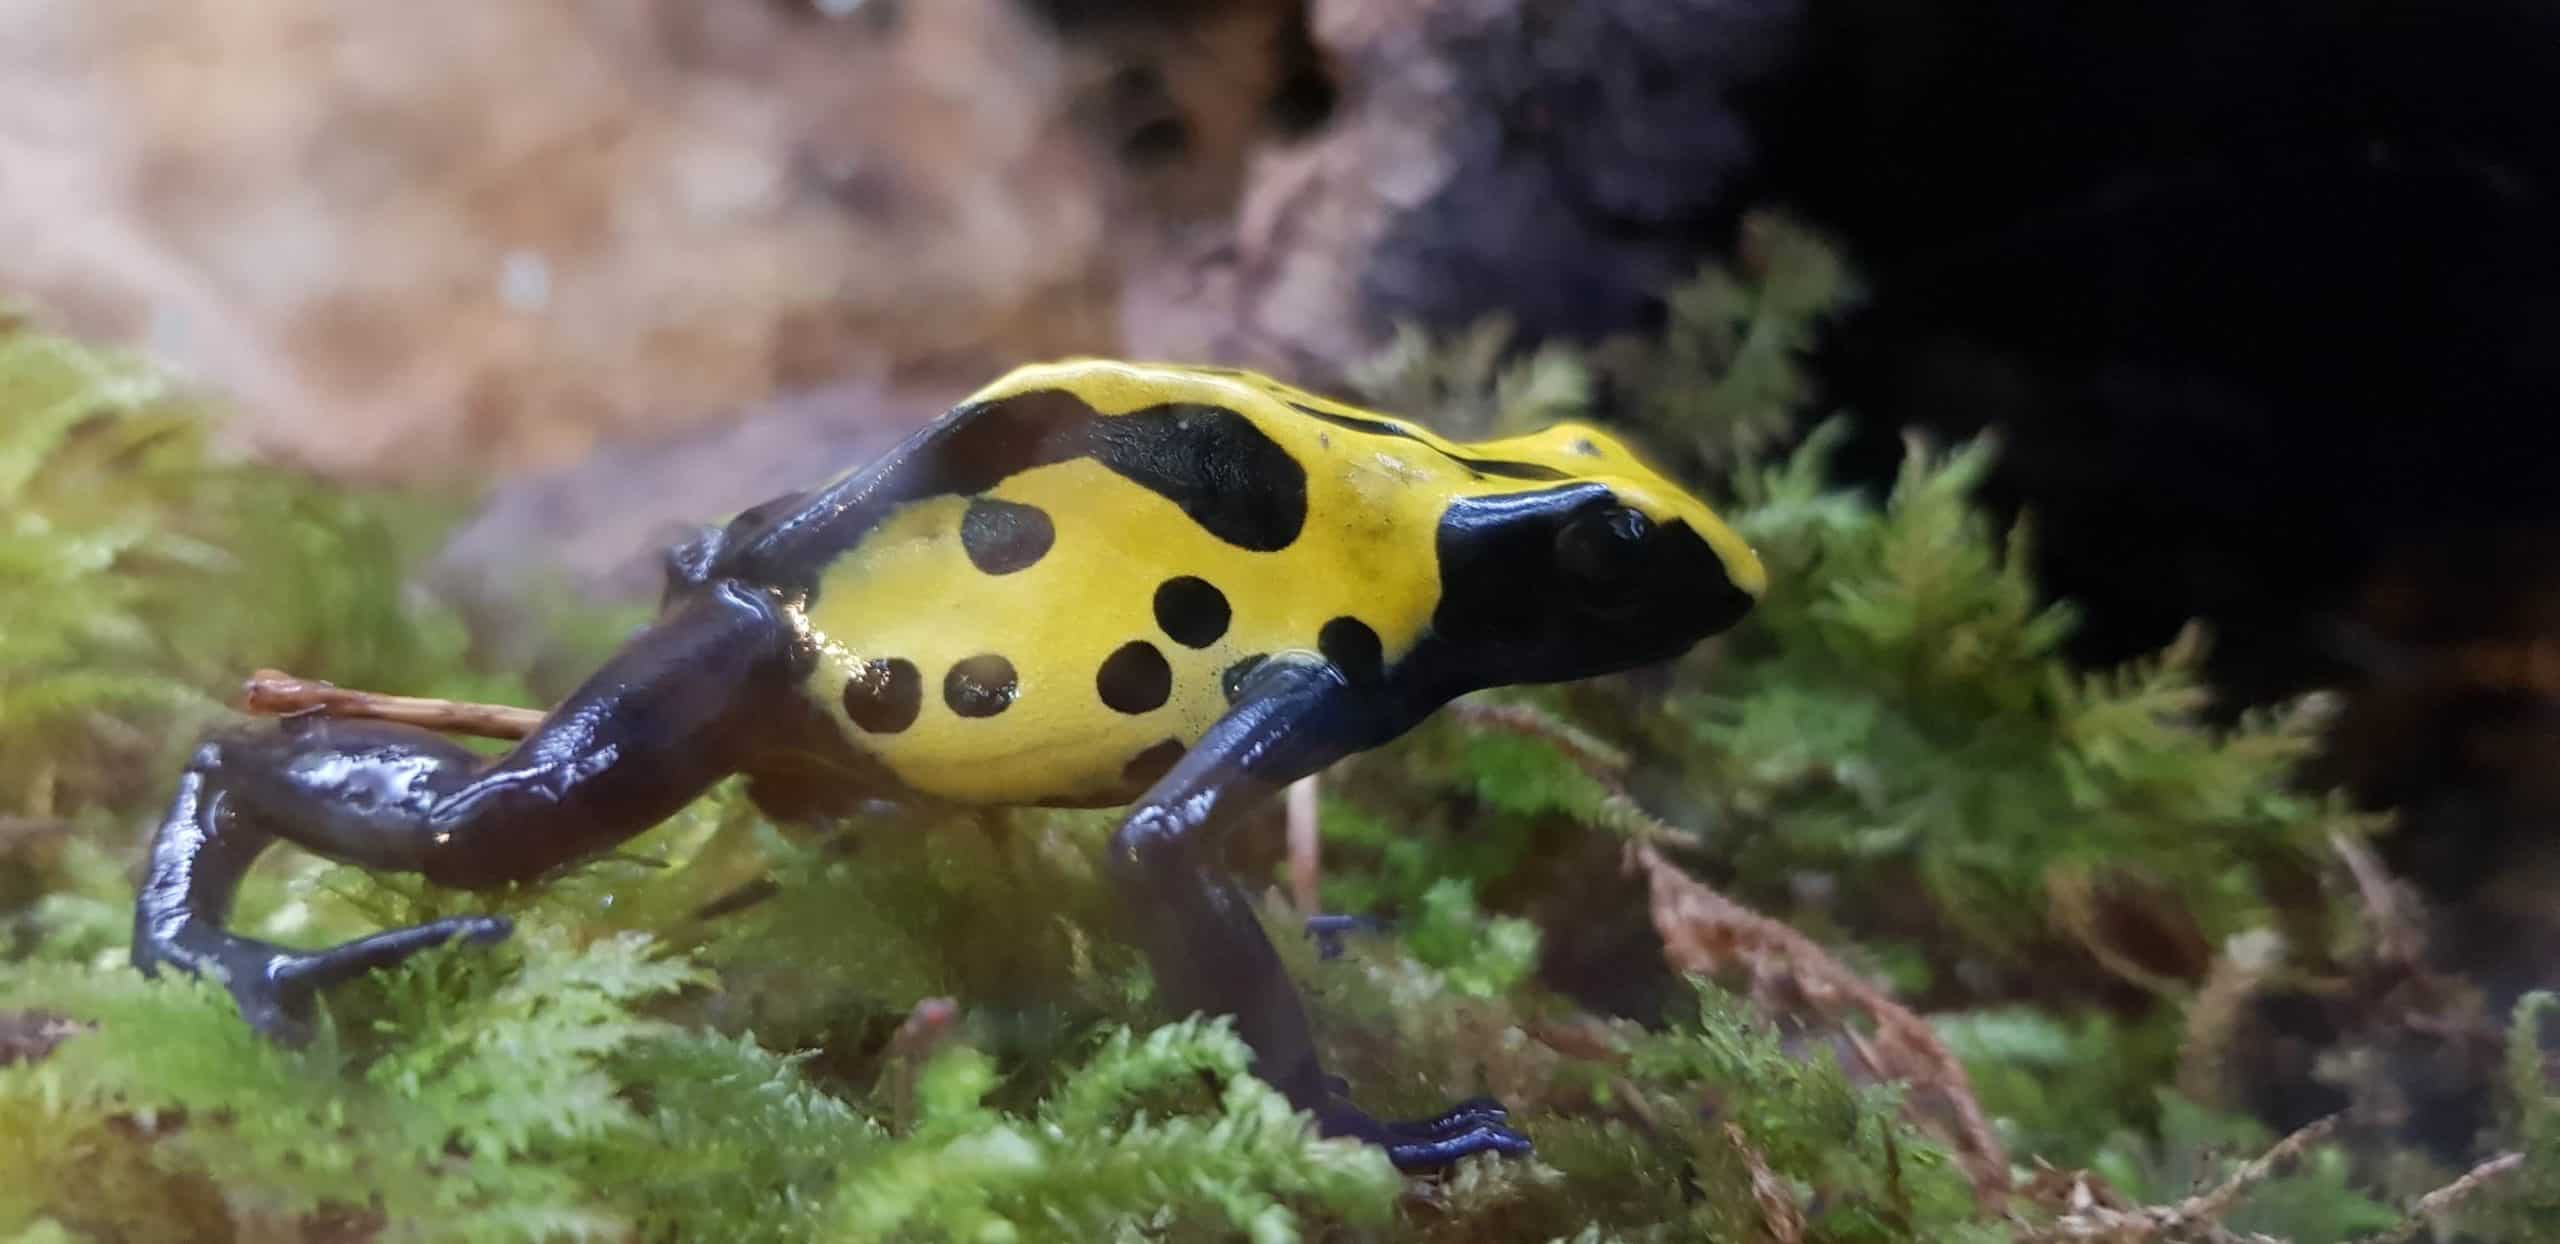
[1150, 535]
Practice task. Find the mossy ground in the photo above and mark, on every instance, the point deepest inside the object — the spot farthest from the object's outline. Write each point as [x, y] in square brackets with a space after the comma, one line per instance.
[928, 1026]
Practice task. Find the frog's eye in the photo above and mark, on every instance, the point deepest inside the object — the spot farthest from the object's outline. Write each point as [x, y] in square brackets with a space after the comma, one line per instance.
[1602, 556]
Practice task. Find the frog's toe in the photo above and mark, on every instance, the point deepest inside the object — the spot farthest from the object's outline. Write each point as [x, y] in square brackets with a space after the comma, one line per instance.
[307, 974]
[245, 967]
[1474, 1126]
[275, 995]
[278, 1014]
[1327, 931]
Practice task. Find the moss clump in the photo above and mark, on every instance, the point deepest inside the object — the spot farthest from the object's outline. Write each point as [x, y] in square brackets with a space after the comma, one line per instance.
[2525, 1209]
[1902, 714]
[139, 566]
[1860, 1172]
[525, 1096]
[447, 1114]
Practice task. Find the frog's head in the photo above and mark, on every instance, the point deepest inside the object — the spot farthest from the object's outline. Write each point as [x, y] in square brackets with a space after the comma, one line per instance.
[1602, 567]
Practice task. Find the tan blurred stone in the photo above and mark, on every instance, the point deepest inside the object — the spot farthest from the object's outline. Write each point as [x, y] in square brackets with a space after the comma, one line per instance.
[438, 240]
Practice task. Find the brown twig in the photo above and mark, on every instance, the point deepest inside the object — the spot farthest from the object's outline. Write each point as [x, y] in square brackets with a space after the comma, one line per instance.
[1588, 1038]
[929, 1026]
[1704, 932]
[2395, 935]
[2213, 1204]
[2427, 1207]
[1306, 846]
[2091, 1215]
[278, 694]
[2100, 1225]
[28, 1036]
[1779, 1213]
[1597, 758]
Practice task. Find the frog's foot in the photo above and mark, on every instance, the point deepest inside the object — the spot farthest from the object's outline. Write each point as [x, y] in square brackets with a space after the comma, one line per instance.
[1328, 930]
[274, 987]
[1477, 1125]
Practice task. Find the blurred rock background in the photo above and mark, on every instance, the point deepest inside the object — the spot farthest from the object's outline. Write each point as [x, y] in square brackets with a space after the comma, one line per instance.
[438, 244]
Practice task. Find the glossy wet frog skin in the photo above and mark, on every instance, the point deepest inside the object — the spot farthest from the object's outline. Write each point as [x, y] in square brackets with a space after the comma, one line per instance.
[1075, 577]
[1091, 583]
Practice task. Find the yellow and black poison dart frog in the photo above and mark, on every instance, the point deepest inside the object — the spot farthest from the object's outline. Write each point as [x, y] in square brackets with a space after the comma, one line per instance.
[1092, 583]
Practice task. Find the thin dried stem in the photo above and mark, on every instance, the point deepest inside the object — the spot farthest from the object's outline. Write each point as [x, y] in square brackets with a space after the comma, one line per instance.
[1704, 932]
[278, 694]
[1779, 1213]
[1579, 747]
[1306, 846]
[2091, 1215]
[1606, 765]
[929, 1026]
[2434, 1204]
[2213, 1204]
[2395, 935]
[28, 1036]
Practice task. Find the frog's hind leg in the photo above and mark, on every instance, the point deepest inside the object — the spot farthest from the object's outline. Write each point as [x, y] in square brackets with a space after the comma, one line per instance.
[197, 858]
[672, 713]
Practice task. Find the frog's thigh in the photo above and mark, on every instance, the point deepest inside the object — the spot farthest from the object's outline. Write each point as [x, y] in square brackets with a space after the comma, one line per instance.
[662, 720]
[675, 711]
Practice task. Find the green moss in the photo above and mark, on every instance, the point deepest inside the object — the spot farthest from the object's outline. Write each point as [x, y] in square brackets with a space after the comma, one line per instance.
[522, 1095]
[1859, 1172]
[1726, 380]
[1900, 712]
[2525, 1205]
[1088, 1166]
[448, 1109]
[143, 570]
[1482, 956]
[2064, 1086]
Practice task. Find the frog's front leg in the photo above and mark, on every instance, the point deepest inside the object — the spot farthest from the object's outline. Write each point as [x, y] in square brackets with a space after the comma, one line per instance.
[1200, 932]
[658, 724]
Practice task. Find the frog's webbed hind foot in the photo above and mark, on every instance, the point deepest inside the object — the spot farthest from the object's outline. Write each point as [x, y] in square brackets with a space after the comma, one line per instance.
[275, 987]
[197, 859]
[1477, 1125]
[294, 978]
[1327, 931]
